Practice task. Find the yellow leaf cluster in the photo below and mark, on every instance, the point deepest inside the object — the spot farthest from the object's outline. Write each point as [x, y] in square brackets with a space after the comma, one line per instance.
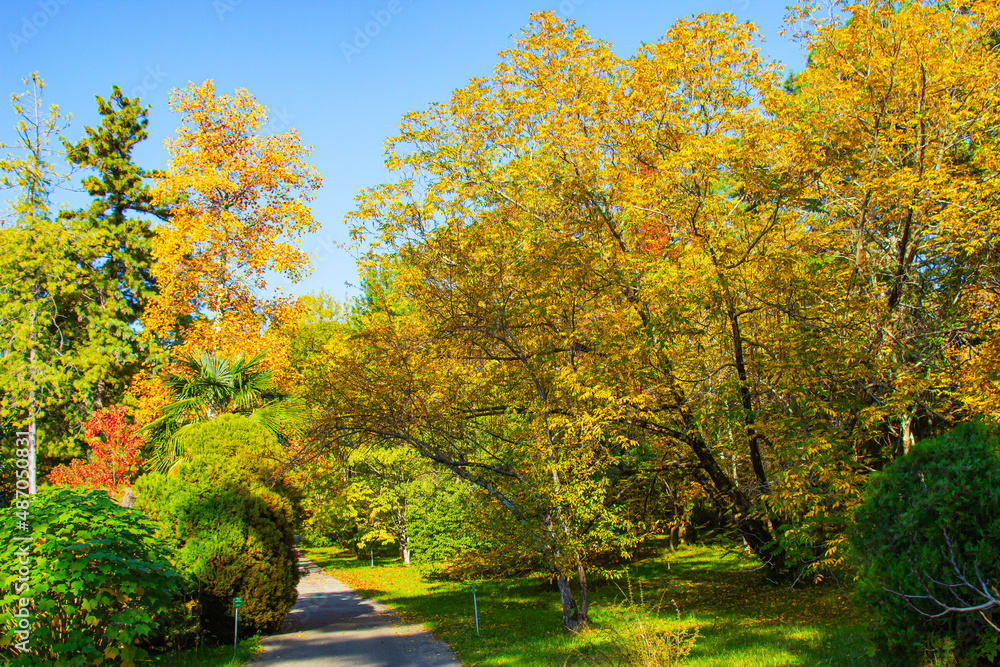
[238, 201]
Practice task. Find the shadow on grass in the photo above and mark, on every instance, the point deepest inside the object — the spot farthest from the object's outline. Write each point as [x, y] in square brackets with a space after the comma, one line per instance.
[740, 619]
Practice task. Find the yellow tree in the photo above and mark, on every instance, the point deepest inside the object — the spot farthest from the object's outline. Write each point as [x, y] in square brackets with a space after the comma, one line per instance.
[239, 202]
[486, 414]
[601, 269]
[530, 341]
[836, 247]
[882, 152]
[896, 128]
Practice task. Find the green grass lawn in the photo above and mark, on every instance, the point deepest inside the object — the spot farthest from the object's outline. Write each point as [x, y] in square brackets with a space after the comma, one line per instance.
[212, 656]
[739, 620]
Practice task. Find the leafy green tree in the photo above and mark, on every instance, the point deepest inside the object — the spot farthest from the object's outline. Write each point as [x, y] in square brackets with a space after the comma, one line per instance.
[438, 520]
[118, 253]
[73, 283]
[101, 585]
[364, 496]
[37, 276]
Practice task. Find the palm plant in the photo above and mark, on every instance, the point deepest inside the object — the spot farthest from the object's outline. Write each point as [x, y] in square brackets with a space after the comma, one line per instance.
[208, 386]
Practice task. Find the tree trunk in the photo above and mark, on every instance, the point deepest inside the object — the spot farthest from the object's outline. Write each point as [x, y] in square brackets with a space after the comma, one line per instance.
[763, 545]
[584, 600]
[573, 620]
[404, 544]
[128, 498]
[908, 439]
[749, 420]
[32, 448]
[32, 429]
[740, 516]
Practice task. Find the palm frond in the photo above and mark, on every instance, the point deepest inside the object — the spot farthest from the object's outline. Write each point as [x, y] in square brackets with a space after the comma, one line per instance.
[207, 386]
[166, 452]
[284, 419]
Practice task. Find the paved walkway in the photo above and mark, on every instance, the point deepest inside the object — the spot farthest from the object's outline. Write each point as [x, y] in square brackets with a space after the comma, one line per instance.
[330, 626]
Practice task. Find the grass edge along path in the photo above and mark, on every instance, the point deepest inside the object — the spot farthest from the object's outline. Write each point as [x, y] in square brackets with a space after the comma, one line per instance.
[739, 620]
[211, 656]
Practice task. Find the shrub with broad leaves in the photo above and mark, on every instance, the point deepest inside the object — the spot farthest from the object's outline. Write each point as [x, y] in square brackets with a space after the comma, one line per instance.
[97, 586]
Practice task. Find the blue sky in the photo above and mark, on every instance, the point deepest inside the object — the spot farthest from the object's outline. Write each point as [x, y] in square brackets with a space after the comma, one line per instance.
[302, 60]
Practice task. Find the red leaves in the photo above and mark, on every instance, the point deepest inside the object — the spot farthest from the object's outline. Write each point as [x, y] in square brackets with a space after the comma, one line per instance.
[115, 446]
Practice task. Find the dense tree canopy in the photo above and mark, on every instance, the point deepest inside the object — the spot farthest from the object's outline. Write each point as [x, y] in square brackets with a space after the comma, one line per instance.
[595, 271]
[75, 283]
[601, 292]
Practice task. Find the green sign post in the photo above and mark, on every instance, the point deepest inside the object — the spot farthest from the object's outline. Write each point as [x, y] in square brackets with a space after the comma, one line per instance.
[237, 603]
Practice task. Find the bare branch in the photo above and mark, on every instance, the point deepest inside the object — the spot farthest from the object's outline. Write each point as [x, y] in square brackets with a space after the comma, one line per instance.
[986, 595]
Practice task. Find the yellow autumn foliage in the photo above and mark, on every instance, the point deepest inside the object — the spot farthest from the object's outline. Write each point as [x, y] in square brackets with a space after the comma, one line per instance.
[238, 200]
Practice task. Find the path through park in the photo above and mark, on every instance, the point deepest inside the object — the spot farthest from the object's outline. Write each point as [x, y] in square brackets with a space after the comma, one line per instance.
[330, 626]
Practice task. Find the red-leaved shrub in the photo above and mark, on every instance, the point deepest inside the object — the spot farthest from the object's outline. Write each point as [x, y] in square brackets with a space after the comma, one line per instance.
[115, 446]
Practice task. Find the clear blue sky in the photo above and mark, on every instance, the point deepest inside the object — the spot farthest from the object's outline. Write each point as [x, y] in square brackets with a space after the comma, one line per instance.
[292, 57]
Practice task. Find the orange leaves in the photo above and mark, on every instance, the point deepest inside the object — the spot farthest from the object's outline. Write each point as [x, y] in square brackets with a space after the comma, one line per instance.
[114, 457]
[239, 200]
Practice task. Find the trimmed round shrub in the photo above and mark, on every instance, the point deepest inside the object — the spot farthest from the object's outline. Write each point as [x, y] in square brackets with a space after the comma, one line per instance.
[928, 521]
[233, 532]
[92, 583]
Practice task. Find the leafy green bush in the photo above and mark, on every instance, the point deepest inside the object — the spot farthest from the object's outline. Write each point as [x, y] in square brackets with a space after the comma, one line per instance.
[929, 520]
[234, 532]
[99, 584]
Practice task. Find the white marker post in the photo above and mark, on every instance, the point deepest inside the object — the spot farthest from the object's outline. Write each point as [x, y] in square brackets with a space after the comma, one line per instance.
[237, 603]
[475, 608]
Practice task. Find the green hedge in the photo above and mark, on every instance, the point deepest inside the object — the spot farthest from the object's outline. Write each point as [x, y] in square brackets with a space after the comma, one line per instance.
[233, 531]
[930, 516]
